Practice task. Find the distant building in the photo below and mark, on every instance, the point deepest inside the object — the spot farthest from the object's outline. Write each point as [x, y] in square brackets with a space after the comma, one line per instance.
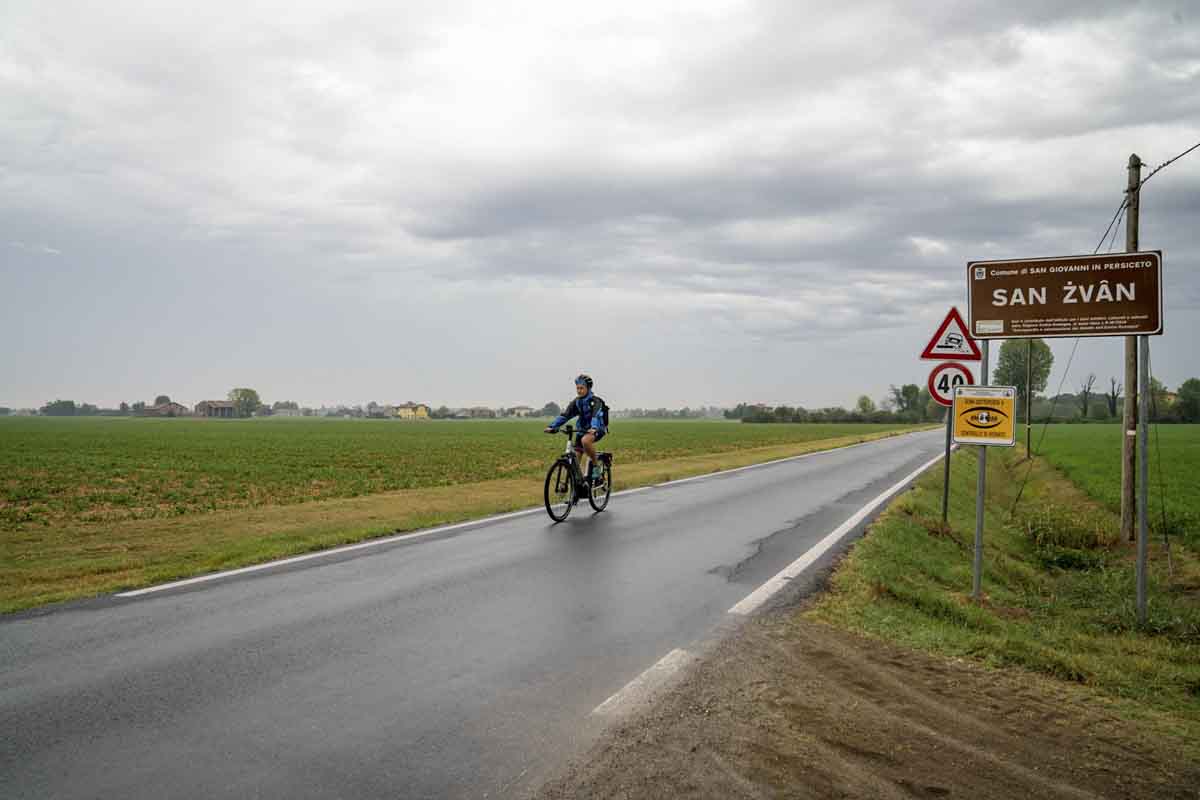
[522, 411]
[412, 411]
[224, 409]
[286, 412]
[165, 410]
[479, 412]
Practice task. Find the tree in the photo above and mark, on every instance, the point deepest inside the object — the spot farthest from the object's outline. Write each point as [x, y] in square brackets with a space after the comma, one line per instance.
[1161, 406]
[1187, 401]
[124, 407]
[1112, 396]
[139, 407]
[1085, 393]
[245, 401]
[865, 406]
[551, 409]
[161, 400]
[907, 399]
[285, 405]
[1011, 366]
[5, 411]
[60, 408]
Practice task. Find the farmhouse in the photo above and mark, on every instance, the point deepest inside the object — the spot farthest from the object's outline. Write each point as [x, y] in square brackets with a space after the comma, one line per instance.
[521, 411]
[412, 410]
[216, 408]
[165, 410]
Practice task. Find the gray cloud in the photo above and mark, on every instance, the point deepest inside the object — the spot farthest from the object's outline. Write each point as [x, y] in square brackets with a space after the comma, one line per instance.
[731, 179]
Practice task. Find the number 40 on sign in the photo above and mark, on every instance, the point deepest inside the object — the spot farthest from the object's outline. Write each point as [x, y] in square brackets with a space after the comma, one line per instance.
[945, 378]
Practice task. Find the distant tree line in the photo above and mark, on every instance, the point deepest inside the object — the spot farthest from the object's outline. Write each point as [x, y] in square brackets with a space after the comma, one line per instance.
[673, 413]
[908, 403]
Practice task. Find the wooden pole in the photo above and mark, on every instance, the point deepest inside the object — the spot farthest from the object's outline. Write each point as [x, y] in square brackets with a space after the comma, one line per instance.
[1129, 421]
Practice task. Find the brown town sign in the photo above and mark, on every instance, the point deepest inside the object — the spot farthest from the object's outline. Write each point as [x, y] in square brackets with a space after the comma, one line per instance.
[1118, 294]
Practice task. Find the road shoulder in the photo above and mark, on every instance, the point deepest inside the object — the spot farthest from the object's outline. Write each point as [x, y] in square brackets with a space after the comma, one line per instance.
[788, 706]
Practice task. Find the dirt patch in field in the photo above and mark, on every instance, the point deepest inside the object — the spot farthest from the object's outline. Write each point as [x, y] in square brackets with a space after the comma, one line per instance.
[788, 707]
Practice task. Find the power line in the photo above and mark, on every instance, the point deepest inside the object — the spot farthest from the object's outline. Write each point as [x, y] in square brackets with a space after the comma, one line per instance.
[1120, 210]
[1167, 163]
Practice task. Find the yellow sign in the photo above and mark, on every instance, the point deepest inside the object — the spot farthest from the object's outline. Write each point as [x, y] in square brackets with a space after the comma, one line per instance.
[985, 415]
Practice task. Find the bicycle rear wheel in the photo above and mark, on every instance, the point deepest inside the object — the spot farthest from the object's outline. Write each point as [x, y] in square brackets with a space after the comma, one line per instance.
[599, 493]
[560, 491]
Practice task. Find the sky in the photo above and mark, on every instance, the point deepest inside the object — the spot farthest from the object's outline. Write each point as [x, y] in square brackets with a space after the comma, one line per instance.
[469, 203]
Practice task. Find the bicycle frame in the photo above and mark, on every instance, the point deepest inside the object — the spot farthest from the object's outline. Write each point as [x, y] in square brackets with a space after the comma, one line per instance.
[570, 457]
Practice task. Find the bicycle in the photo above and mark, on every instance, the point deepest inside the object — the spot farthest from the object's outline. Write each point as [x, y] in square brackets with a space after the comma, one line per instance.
[565, 483]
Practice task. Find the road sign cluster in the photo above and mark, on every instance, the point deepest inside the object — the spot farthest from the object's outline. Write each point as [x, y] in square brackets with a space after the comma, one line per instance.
[981, 414]
[951, 344]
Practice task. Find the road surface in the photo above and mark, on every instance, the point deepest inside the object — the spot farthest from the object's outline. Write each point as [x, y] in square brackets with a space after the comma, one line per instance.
[461, 664]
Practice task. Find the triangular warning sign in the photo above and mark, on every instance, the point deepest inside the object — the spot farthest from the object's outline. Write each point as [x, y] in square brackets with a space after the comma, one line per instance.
[952, 342]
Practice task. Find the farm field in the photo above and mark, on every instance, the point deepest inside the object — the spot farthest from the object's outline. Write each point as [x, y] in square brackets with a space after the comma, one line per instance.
[1090, 455]
[81, 470]
[89, 506]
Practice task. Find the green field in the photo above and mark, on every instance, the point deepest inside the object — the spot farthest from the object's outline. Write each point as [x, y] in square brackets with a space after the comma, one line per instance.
[70, 471]
[90, 506]
[1058, 579]
[1090, 455]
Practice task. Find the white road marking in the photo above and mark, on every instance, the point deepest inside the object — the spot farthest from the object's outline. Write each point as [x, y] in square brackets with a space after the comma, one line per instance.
[753, 601]
[644, 686]
[483, 521]
[349, 548]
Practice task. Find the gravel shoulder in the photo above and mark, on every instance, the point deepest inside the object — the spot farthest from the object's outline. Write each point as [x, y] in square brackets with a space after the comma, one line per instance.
[791, 707]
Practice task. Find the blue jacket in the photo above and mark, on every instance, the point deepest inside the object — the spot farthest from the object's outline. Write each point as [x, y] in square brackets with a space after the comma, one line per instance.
[588, 411]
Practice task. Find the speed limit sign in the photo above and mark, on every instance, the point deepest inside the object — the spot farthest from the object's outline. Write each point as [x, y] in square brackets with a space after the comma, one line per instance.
[945, 377]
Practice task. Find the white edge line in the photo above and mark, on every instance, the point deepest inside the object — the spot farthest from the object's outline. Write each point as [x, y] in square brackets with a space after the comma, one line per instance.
[641, 688]
[753, 601]
[324, 553]
[410, 536]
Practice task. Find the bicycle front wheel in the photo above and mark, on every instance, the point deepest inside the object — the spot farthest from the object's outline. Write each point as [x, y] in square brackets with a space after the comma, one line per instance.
[598, 496]
[560, 491]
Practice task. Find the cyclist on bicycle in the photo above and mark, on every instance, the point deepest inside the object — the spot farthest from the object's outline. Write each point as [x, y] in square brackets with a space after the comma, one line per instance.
[593, 421]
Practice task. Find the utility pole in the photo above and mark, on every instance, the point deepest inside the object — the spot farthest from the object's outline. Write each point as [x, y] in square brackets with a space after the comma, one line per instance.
[1129, 420]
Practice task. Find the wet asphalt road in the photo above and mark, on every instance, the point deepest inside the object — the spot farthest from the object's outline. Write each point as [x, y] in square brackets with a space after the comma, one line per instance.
[463, 665]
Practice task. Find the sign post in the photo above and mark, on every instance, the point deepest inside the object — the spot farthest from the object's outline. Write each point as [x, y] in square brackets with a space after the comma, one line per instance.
[943, 380]
[986, 416]
[951, 342]
[1114, 294]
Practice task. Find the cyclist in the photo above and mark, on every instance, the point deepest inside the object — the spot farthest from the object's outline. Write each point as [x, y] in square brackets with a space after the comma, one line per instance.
[593, 422]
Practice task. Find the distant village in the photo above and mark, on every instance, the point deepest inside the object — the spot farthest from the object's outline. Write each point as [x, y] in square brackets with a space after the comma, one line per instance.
[233, 409]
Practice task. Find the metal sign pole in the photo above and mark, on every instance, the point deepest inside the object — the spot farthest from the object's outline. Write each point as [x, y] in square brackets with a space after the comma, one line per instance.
[980, 493]
[946, 470]
[1029, 400]
[1143, 473]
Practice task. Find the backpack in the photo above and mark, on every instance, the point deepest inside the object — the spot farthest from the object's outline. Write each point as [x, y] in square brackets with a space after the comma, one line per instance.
[603, 410]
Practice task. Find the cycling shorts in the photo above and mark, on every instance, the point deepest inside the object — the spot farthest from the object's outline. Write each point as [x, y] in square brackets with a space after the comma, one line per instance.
[579, 438]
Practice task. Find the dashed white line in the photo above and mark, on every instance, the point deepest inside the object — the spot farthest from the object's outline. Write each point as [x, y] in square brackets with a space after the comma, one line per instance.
[642, 688]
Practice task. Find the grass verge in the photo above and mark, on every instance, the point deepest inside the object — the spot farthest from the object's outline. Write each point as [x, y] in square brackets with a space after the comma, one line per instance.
[71, 561]
[1058, 591]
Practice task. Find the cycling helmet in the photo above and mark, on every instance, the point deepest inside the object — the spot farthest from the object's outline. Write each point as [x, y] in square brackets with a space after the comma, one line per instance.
[586, 380]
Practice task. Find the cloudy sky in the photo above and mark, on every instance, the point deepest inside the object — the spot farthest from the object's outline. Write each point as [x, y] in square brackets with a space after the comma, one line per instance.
[470, 202]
